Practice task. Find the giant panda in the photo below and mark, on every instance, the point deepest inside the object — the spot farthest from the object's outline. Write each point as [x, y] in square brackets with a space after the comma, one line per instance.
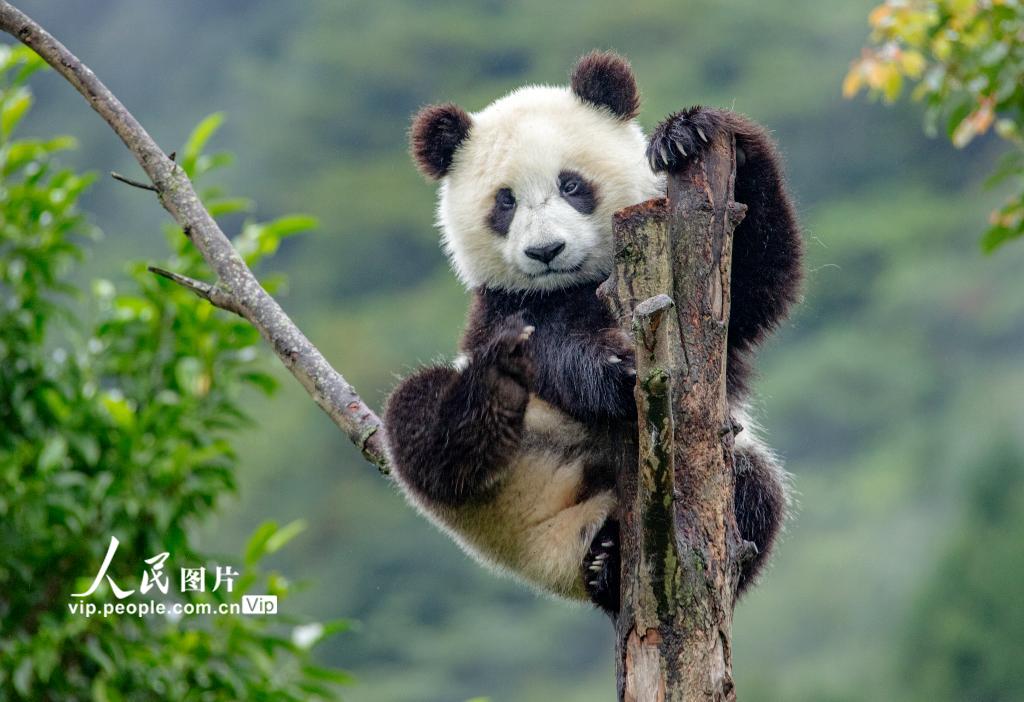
[513, 447]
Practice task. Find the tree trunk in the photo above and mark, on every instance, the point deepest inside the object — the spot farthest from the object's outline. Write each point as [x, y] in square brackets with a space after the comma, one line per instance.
[680, 546]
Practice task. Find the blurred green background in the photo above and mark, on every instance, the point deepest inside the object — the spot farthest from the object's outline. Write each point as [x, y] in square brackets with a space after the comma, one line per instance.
[895, 395]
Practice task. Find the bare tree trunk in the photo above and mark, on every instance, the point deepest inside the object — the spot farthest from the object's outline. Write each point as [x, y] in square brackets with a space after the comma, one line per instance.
[681, 549]
[680, 546]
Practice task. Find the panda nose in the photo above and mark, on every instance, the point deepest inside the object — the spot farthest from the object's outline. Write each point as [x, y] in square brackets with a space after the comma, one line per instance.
[545, 253]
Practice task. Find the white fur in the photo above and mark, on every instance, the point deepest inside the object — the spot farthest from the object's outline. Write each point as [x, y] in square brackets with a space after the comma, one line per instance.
[749, 439]
[522, 142]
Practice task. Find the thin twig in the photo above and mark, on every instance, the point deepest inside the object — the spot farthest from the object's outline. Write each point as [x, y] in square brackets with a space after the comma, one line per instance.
[214, 294]
[134, 183]
[327, 387]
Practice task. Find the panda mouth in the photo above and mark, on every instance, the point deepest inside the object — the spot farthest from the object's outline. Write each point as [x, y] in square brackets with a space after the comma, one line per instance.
[554, 271]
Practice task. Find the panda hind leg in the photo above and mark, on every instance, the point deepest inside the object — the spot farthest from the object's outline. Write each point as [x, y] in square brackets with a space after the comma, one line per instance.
[760, 503]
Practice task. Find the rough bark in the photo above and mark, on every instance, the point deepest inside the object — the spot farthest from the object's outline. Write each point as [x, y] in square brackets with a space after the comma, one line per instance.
[237, 289]
[680, 545]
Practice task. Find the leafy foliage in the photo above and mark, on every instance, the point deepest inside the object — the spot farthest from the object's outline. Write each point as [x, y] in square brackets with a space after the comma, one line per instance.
[967, 58]
[118, 411]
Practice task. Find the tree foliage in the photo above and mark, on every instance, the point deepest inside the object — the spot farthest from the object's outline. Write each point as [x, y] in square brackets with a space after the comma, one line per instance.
[967, 59]
[118, 409]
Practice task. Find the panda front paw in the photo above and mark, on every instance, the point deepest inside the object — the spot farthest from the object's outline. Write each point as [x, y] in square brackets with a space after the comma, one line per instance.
[506, 364]
[681, 136]
[601, 568]
[618, 354]
[618, 351]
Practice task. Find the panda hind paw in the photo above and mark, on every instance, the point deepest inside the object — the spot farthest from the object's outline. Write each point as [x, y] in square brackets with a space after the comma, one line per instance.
[600, 568]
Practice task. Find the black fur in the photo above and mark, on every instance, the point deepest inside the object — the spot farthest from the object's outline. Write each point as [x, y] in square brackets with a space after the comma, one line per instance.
[760, 504]
[575, 339]
[502, 212]
[449, 433]
[436, 132]
[577, 191]
[767, 248]
[605, 79]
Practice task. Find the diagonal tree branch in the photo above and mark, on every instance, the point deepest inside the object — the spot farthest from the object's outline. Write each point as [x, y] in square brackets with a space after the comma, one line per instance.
[237, 288]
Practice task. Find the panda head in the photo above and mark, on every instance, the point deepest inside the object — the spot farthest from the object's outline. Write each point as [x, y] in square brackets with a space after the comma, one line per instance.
[529, 184]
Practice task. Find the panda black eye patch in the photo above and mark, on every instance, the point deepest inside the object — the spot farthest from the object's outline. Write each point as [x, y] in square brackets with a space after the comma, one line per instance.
[504, 209]
[577, 191]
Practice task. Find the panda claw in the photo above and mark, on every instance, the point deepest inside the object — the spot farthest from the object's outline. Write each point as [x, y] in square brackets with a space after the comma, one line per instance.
[664, 154]
[679, 147]
[600, 568]
[702, 135]
[614, 359]
[527, 332]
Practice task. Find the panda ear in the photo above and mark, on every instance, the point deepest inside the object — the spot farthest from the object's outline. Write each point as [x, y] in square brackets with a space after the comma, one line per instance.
[605, 79]
[436, 132]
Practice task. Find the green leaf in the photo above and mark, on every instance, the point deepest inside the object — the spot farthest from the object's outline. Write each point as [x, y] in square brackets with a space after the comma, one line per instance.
[55, 450]
[228, 205]
[1011, 164]
[118, 409]
[264, 381]
[284, 535]
[197, 140]
[291, 225]
[339, 677]
[23, 677]
[957, 115]
[56, 404]
[16, 104]
[102, 693]
[997, 236]
[337, 626]
[87, 447]
[256, 548]
[45, 659]
[30, 63]
[191, 376]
